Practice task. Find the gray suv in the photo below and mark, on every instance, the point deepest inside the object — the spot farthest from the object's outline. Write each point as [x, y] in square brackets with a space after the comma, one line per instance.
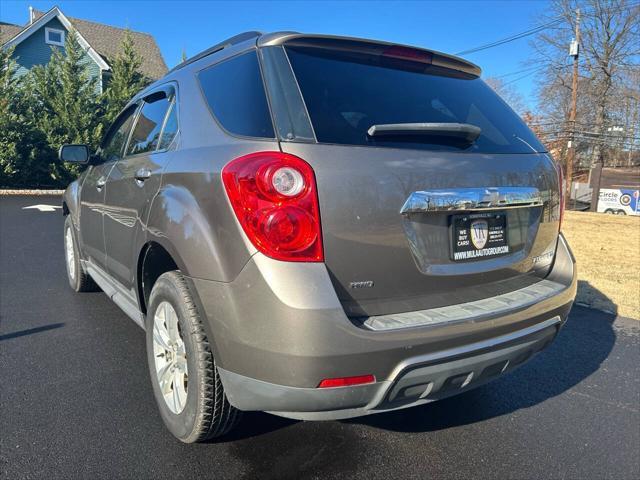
[320, 227]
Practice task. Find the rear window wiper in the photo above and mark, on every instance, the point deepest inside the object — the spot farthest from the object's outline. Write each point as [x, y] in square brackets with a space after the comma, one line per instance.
[459, 131]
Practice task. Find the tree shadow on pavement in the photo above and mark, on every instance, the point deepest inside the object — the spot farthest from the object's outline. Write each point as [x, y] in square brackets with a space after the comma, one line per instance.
[30, 331]
[590, 296]
[254, 424]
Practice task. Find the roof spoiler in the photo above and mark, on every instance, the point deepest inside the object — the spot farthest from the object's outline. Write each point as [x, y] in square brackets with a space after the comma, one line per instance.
[229, 42]
[333, 41]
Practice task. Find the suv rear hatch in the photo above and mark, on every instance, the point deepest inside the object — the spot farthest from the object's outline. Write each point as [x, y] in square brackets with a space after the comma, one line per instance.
[418, 211]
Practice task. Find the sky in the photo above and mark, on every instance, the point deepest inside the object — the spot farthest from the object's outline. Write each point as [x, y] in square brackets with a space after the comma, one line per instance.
[446, 26]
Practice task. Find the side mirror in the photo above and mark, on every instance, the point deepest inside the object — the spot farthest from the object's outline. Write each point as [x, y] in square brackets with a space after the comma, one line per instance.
[74, 153]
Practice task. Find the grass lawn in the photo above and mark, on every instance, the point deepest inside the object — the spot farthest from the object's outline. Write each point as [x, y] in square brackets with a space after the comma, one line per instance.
[607, 250]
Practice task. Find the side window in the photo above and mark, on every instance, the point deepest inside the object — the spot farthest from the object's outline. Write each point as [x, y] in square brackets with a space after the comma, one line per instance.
[146, 133]
[235, 94]
[170, 127]
[113, 143]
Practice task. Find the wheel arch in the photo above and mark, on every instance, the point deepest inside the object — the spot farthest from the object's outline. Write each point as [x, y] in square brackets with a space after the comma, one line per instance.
[154, 259]
[71, 200]
[196, 234]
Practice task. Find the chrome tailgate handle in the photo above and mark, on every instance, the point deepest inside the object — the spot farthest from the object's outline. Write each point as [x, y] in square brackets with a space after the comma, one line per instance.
[471, 199]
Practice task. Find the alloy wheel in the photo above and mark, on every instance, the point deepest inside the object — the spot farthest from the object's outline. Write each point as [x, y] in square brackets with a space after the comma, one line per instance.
[70, 254]
[170, 357]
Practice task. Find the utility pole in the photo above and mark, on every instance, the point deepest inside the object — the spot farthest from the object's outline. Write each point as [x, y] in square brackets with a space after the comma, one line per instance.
[574, 51]
[634, 122]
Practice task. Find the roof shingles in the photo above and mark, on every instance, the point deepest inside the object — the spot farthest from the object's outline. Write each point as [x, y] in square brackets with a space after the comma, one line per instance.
[106, 40]
[8, 31]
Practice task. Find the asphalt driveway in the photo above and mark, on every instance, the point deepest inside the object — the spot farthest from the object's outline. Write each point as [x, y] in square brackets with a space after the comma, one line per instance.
[76, 401]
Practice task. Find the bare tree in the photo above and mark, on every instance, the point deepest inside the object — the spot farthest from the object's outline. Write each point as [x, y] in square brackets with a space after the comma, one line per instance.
[508, 93]
[608, 87]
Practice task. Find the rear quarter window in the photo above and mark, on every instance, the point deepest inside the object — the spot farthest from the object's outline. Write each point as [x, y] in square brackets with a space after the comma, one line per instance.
[235, 94]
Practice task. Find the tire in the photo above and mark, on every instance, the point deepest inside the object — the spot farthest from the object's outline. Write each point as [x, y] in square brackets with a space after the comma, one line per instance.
[621, 212]
[78, 278]
[191, 400]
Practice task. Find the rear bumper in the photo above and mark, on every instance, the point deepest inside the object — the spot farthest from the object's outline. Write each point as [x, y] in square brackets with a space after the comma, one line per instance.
[414, 382]
[279, 329]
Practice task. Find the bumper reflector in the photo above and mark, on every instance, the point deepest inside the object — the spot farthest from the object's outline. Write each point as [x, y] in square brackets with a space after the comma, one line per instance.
[346, 381]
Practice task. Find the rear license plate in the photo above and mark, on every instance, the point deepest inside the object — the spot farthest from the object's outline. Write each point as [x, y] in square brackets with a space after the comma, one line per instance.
[479, 236]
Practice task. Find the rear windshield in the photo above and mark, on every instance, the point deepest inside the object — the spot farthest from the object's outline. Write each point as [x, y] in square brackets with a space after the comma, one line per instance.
[347, 93]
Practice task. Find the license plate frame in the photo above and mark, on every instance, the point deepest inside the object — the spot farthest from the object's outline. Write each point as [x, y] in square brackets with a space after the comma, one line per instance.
[468, 230]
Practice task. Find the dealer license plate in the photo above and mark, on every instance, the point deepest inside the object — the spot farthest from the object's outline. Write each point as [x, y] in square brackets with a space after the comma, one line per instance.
[479, 236]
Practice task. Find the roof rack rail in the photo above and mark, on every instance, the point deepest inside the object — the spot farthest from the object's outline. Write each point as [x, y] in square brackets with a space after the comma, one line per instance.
[241, 37]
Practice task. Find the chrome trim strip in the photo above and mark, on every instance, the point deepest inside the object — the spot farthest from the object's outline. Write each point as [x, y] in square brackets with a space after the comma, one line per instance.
[454, 352]
[471, 199]
[115, 291]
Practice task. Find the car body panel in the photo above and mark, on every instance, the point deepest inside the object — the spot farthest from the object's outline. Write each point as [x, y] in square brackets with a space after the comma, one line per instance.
[91, 216]
[126, 206]
[305, 336]
[191, 213]
[361, 220]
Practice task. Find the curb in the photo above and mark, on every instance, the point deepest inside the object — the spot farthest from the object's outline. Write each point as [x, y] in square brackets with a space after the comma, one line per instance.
[6, 192]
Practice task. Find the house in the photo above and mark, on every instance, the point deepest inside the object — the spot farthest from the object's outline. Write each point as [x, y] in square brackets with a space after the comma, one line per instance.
[34, 41]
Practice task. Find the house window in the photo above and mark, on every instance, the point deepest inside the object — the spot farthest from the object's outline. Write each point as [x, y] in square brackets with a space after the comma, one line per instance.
[53, 36]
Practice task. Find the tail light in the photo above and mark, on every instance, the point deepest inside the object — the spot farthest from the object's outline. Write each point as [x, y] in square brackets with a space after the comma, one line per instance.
[274, 197]
[411, 54]
[561, 198]
[346, 381]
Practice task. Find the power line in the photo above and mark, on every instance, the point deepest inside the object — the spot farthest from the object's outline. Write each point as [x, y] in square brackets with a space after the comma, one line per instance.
[606, 142]
[524, 76]
[517, 72]
[517, 36]
[535, 30]
[592, 135]
[533, 67]
[566, 122]
[531, 72]
[626, 144]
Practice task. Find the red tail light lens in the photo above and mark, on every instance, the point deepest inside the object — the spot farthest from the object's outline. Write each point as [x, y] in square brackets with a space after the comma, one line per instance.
[406, 53]
[561, 197]
[274, 197]
[346, 381]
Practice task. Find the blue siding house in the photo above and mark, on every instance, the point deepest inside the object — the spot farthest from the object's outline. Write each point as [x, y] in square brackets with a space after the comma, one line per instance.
[33, 44]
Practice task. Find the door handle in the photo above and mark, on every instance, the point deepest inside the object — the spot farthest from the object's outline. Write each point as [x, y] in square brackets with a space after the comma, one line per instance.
[100, 183]
[142, 174]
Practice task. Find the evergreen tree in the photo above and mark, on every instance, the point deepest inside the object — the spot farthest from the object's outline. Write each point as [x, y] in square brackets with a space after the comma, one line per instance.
[8, 138]
[64, 104]
[8, 80]
[24, 152]
[76, 102]
[126, 79]
[55, 104]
